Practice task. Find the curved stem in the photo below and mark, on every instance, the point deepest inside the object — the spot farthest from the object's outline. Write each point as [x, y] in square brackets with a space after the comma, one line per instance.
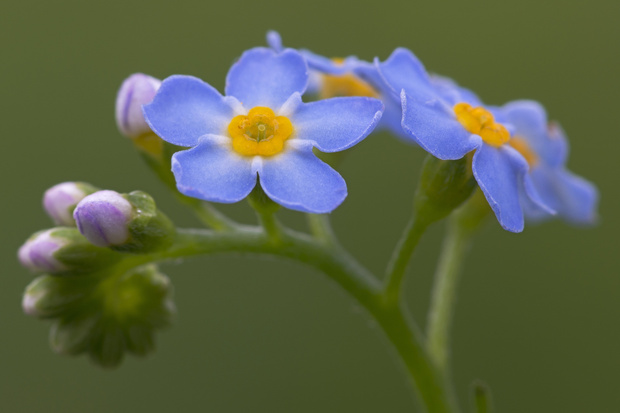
[444, 292]
[405, 337]
[346, 272]
[399, 262]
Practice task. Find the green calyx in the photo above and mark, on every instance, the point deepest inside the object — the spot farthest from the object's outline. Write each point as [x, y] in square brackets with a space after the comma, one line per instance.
[80, 256]
[149, 229]
[104, 315]
[444, 186]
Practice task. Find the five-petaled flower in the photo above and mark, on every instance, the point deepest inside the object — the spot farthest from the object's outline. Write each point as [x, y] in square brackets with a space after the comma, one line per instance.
[260, 129]
[449, 122]
[545, 148]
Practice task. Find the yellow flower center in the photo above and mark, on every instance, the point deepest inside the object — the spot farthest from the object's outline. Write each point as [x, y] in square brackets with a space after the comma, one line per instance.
[480, 121]
[261, 132]
[344, 85]
[524, 149]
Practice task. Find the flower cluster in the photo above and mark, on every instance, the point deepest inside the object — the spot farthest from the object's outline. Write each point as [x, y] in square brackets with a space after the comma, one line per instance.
[282, 111]
[262, 132]
[518, 156]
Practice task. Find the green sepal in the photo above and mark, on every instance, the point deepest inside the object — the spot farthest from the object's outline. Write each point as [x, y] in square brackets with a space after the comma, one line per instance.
[79, 255]
[107, 345]
[149, 229]
[50, 297]
[72, 335]
[106, 314]
[444, 185]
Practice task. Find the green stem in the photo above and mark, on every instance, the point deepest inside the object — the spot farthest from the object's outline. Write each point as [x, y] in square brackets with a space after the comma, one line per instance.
[444, 292]
[321, 229]
[346, 272]
[399, 262]
[270, 223]
[462, 226]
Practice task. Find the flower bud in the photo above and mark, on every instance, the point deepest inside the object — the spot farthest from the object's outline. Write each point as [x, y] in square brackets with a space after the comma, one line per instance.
[63, 251]
[48, 296]
[103, 218]
[60, 200]
[444, 185]
[137, 90]
[127, 223]
[104, 317]
[37, 254]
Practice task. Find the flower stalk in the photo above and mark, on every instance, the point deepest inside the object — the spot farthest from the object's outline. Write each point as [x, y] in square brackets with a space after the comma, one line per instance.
[462, 226]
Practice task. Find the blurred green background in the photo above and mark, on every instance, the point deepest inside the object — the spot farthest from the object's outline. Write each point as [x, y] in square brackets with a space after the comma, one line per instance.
[537, 314]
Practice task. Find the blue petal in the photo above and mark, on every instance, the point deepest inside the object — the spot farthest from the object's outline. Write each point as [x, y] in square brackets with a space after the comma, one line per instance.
[336, 124]
[574, 198]
[402, 70]
[452, 92]
[299, 180]
[392, 118]
[370, 73]
[330, 66]
[392, 113]
[262, 77]
[186, 108]
[213, 171]
[433, 126]
[530, 122]
[502, 174]
[274, 40]
[498, 176]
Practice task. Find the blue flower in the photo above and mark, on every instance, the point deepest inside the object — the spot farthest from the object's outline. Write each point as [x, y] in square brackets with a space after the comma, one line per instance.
[450, 122]
[545, 147]
[261, 129]
[348, 76]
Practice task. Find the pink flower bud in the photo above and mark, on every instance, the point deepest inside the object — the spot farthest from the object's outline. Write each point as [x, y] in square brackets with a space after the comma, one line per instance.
[103, 218]
[37, 254]
[60, 200]
[137, 90]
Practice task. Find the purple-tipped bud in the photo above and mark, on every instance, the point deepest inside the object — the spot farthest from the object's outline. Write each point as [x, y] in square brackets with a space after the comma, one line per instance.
[137, 90]
[103, 218]
[60, 200]
[37, 254]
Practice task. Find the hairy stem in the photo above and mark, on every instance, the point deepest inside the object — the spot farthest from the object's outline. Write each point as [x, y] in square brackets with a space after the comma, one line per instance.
[444, 293]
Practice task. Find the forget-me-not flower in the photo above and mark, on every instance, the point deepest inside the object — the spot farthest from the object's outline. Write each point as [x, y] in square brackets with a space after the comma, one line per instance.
[545, 147]
[260, 129]
[349, 76]
[449, 122]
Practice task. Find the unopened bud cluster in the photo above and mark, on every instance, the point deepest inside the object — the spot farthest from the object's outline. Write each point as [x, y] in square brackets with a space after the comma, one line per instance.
[102, 305]
[103, 315]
